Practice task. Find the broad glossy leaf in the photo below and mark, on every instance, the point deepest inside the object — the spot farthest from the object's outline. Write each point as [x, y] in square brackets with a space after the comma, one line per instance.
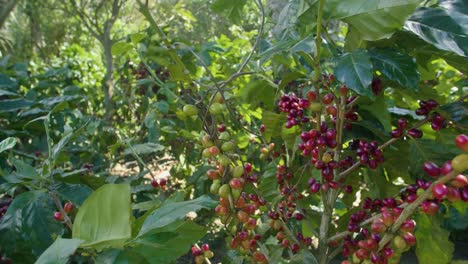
[355, 70]
[259, 93]
[24, 170]
[396, 66]
[303, 256]
[433, 245]
[173, 211]
[273, 124]
[268, 184]
[232, 9]
[372, 19]
[104, 218]
[59, 251]
[7, 143]
[447, 29]
[378, 110]
[57, 148]
[28, 221]
[117, 256]
[76, 193]
[14, 104]
[120, 48]
[170, 242]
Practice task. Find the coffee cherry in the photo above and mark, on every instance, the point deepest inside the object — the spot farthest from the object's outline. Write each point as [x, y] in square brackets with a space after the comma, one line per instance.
[415, 133]
[343, 90]
[162, 182]
[216, 108]
[199, 259]
[402, 123]
[224, 136]
[154, 183]
[446, 168]
[431, 169]
[453, 194]
[227, 147]
[399, 243]
[224, 191]
[430, 208]
[221, 128]
[213, 150]
[68, 207]
[311, 95]
[213, 174]
[439, 191]
[396, 133]
[262, 128]
[196, 251]
[258, 257]
[460, 163]
[459, 181]
[58, 216]
[314, 188]
[238, 171]
[408, 226]
[248, 167]
[190, 110]
[328, 98]
[464, 194]
[221, 210]
[387, 252]
[409, 238]
[462, 142]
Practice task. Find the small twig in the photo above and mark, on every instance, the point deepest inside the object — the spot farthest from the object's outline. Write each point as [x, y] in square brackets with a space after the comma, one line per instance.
[411, 208]
[59, 206]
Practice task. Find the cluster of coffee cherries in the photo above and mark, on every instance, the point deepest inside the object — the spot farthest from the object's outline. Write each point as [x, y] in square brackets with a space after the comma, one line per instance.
[426, 108]
[202, 253]
[68, 207]
[364, 246]
[295, 108]
[293, 243]
[368, 153]
[159, 183]
[401, 128]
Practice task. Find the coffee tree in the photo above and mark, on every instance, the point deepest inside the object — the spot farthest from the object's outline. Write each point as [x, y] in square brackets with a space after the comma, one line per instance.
[335, 131]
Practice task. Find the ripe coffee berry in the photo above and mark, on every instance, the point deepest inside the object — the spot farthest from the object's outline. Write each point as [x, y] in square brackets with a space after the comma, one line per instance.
[431, 169]
[462, 142]
[439, 191]
[68, 207]
[58, 216]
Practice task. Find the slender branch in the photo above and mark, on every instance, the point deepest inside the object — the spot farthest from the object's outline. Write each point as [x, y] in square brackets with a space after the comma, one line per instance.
[411, 208]
[257, 40]
[59, 206]
[327, 211]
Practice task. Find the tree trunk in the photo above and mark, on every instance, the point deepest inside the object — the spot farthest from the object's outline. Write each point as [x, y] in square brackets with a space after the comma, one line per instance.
[108, 81]
[6, 10]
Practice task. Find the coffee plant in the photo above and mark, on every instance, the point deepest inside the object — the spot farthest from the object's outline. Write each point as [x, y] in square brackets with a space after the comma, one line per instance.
[323, 131]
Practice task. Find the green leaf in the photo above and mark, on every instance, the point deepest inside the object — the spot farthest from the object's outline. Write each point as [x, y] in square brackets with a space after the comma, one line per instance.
[137, 37]
[303, 256]
[173, 211]
[377, 109]
[259, 93]
[433, 245]
[232, 9]
[14, 104]
[28, 222]
[104, 218]
[447, 29]
[120, 48]
[57, 148]
[372, 19]
[8, 93]
[116, 256]
[24, 170]
[76, 193]
[144, 149]
[59, 251]
[268, 185]
[273, 124]
[355, 70]
[396, 67]
[7, 143]
[170, 242]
